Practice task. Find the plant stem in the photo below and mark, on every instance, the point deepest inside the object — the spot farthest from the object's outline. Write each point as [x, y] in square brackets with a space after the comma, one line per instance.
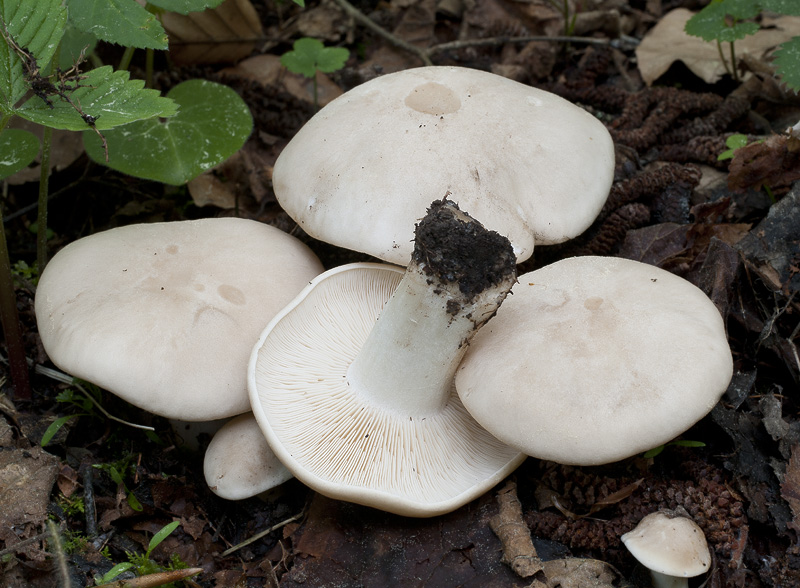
[44, 186]
[17, 363]
[734, 69]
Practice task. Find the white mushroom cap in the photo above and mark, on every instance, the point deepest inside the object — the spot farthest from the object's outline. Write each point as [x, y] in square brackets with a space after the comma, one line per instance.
[165, 315]
[527, 163]
[669, 543]
[239, 464]
[594, 359]
[341, 442]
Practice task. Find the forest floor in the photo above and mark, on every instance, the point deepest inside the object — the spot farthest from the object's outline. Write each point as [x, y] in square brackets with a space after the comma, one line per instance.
[731, 227]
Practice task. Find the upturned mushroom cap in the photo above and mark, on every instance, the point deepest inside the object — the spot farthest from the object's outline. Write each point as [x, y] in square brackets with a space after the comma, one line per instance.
[669, 543]
[594, 359]
[165, 315]
[527, 163]
[341, 442]
[239, 464]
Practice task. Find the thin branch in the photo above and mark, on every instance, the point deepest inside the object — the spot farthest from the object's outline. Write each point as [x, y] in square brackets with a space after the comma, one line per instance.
[66, 379]
[359, 16]
[258, 536]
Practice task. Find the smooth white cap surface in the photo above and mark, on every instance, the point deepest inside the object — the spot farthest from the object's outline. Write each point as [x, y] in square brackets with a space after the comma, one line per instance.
[529, 164]
[165, 315]
[593, 359]
[669, 543]
[239, 464]
[344, 444]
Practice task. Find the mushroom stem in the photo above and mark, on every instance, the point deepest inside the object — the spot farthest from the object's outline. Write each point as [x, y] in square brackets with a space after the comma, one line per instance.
[459, 275]
[665, 581]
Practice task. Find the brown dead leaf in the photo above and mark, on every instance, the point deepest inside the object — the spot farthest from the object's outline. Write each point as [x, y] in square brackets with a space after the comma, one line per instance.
[225, 34]
[518, 550]
[774, 162]
[790, 487]
[667, 43]
[268, 71]
[67, 480]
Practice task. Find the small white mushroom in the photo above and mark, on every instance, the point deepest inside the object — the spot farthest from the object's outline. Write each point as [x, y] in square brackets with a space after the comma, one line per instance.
[672, 546]
[594, 359]
[165, 315]
[527, 163]
[239, 464]
[365, 411]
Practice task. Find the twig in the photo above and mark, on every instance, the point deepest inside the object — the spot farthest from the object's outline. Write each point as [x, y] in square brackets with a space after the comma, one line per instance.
[153, 580]
[425, 55]
[359, 16]
[258, 536]
[65, 379]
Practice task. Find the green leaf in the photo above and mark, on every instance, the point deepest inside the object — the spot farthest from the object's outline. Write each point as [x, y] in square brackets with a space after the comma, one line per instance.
[212, 124]
[35, 26]
[161, 535]
[653, 452]
[301, 3]
[790, 7]
[787, 63]
[186, 6]
[55, 426]
[687, 443]
[74, 43]
[734, 142]
[123, 22]
[115, 571]
[109, 96]
[18, 149]
[309, 55]
[722, 21]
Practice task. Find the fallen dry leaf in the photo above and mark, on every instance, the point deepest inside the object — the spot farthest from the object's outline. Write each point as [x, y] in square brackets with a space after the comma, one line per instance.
[774, 162]
[667, 43]
[790, 487]
[225, 34]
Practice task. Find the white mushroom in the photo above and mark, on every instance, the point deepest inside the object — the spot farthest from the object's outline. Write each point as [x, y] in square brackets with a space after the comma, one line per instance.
[366, 412]
[527, 163]
[164, 315]
[239, 464]
[594, 359]
[672, 546]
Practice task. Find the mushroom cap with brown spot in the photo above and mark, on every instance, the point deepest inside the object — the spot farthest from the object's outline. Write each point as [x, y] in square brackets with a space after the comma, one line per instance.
[593, 359]
[165, 315]
[529, 164]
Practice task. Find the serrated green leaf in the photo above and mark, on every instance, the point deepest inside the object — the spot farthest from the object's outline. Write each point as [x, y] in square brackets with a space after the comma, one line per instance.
[74, 44]
[790, 7]
[123, 22]
[309, 55]
[18, 149]
[109, 96]
[787, 63]
[722, 21]
[35, 26]
[332, 59]
[186, 6]
[212, 124]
